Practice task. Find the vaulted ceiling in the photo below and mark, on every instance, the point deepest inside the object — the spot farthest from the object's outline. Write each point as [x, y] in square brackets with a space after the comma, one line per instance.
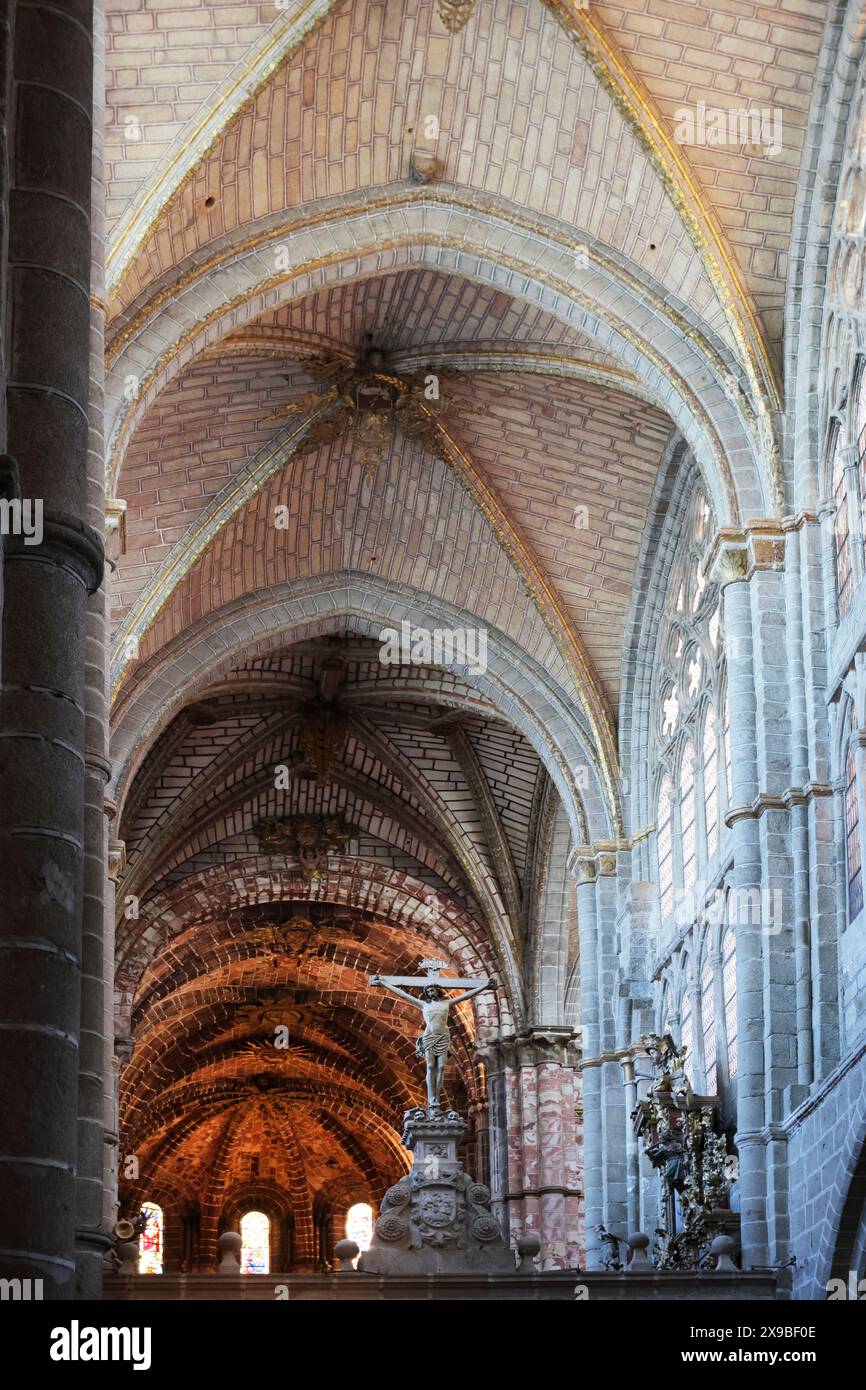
[506, 211]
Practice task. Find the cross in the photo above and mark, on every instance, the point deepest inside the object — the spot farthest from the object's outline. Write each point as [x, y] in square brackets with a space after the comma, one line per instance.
[432, 976]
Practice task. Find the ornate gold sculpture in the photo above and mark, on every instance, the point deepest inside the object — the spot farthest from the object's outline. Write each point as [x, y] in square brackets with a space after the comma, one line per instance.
[455, 13]
[368, 399]
[309, 838]
[683, 1141]
[323, 734]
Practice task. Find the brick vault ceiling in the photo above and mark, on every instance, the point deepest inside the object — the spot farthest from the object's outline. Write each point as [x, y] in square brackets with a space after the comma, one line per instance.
[222, 129]
[441, 802]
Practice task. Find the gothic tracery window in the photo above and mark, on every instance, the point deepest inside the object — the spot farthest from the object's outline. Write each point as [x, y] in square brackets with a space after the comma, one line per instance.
[729, 996]
[711, 783]
[708, 1024]
[666, 847]
[690, 685]
[841, 536]
[860, 434]
[687, 1028]
[687, 815]
[852, 833]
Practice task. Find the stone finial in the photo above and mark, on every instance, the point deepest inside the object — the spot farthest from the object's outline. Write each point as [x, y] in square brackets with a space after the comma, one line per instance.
[229, 1247]
[346, 1251]
[723, 1248]
[638, 1244]
[528, 1247]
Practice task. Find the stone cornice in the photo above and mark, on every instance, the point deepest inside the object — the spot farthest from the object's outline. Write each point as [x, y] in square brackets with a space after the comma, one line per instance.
[778, 801]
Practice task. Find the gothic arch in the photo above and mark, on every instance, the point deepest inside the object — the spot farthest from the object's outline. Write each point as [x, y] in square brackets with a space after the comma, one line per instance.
[531, 703]
[690, 376]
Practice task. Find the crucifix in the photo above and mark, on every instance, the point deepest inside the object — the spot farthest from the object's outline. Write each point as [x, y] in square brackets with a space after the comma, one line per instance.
[432, 1046]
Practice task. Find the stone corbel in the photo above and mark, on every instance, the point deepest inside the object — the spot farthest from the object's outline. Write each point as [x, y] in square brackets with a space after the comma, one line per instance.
[737, 553]
[116, 859]
[115, 529]
[588, 862]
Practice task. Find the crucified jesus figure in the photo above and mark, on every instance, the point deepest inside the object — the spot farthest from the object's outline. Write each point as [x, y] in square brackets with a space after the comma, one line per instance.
[432, 1046]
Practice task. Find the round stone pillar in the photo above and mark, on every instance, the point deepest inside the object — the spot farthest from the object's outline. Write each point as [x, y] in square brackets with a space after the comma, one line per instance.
[49, 573]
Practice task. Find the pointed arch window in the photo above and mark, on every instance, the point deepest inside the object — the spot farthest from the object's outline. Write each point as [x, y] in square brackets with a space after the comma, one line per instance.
[729, 996]
[860, 435]
[726, 734]
[151, 1240]
[687, 816]
[708, 1025]
[255, 1243]
[711, 783]
[687, 1027]
[841, 536]
[852, 835]
[665, 847]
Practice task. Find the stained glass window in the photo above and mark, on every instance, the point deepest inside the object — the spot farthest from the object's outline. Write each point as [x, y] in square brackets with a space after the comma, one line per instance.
[711, 783]
[729, 992]
[852, 831]
[687, 814]
[150, 1242]
[665, 847]
[359, 1225]
[256, 1247]
[708, 1025]
[844, 578]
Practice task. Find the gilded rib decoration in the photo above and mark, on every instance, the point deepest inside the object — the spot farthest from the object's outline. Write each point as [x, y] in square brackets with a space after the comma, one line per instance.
[458, 243]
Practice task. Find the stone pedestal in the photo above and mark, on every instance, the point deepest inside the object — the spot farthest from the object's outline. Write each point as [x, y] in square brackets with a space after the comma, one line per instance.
[436, 1220]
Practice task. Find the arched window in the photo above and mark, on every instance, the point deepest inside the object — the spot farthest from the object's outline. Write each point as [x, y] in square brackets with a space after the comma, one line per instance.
[729, 994]
[726, 734]
[688, 684]
[711, 783]
[860, 434]
[687, 1029]
[150, 1243]
[687, 816]
[852, 836]
[708, 1025]
[256, 1243]
[359, 1225]
[666, 1011]
[665, 847]
[842, 540]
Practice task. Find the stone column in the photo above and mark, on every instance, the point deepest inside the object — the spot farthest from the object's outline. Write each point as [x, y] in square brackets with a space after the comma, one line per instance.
[605, 1146]
[44, 640]
[733, 570]
[92, 1237]
[544, 1193]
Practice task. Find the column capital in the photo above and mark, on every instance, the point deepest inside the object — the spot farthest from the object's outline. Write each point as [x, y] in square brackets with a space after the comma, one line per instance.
[535, 1046]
